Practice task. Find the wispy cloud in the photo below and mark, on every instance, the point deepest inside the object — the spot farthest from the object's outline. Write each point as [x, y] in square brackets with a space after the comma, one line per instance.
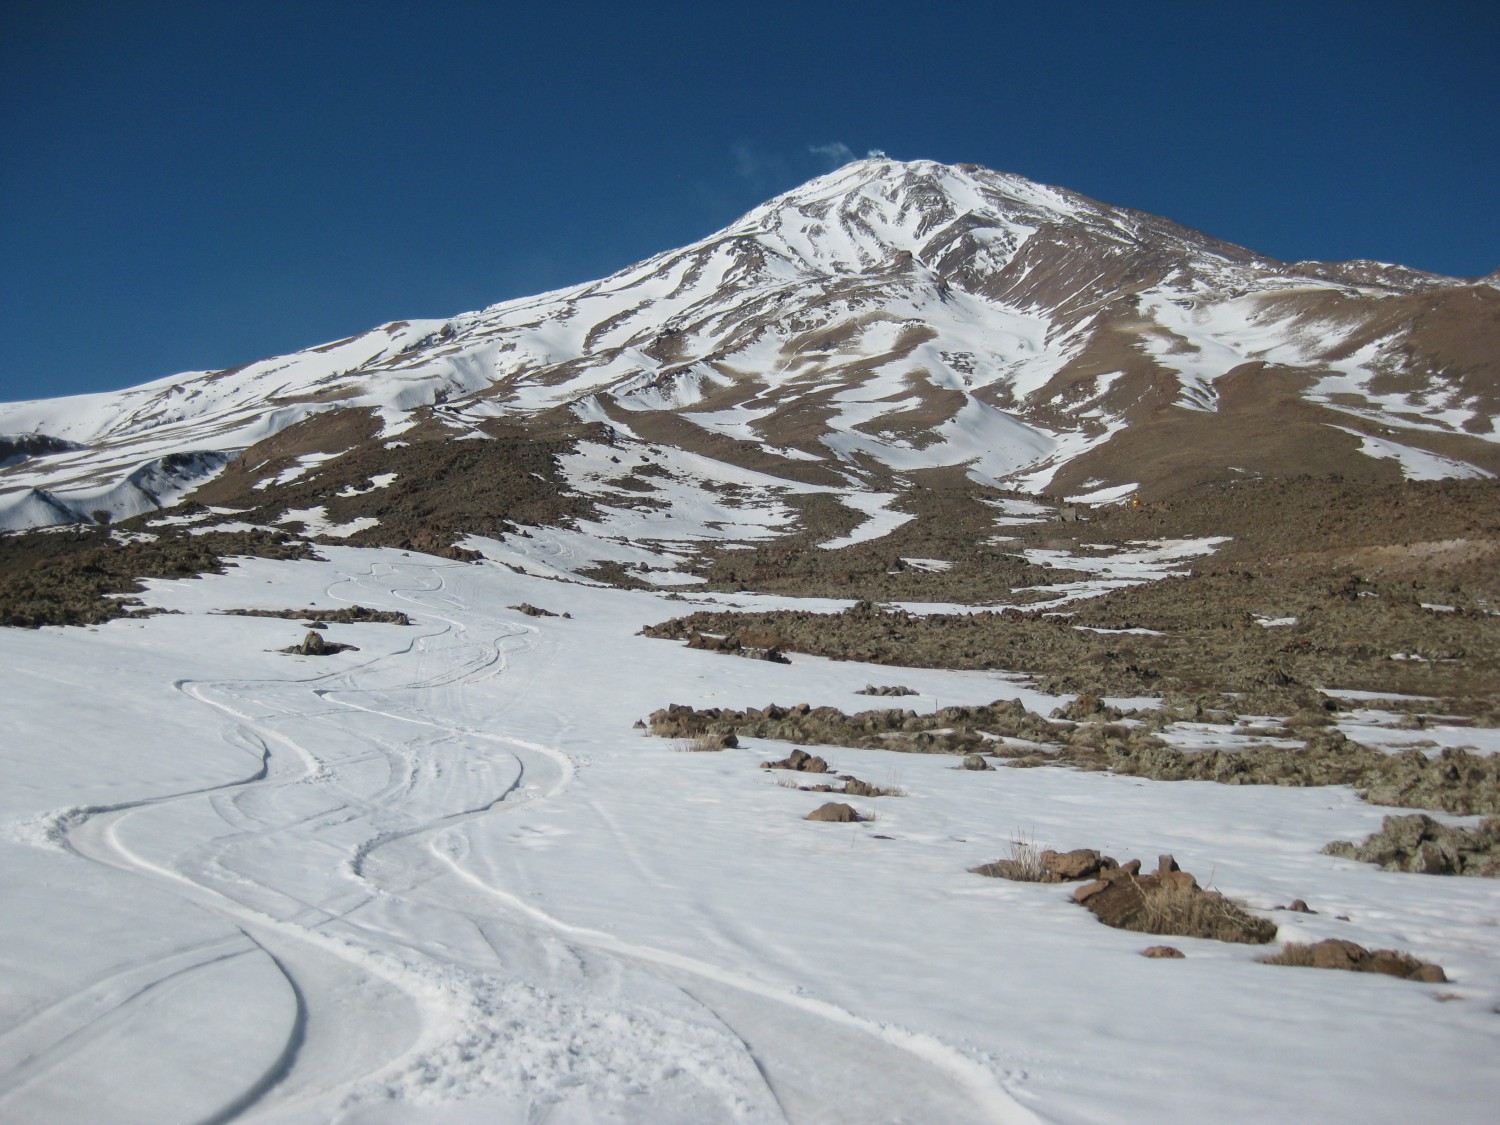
[836, 153]
[765, 171]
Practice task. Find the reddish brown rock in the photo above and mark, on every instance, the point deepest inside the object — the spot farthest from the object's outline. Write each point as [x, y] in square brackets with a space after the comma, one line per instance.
[1336, 953]
[1080, 863]
[1169, 901]
[799, 760]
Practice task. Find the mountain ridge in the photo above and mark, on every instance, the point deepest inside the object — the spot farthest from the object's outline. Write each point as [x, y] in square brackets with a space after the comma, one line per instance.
[880, 323]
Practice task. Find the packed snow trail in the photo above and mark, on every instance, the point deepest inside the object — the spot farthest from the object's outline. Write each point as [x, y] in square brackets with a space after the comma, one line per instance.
[318, 862]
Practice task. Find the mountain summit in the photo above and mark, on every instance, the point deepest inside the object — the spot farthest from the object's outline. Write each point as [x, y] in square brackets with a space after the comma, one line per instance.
[886, 325]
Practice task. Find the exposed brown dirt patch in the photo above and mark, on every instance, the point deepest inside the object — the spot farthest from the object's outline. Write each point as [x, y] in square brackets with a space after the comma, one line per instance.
[73, 577]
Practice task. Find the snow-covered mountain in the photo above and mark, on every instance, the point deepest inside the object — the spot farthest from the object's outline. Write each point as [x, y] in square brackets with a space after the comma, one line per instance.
[368, 835]
[885, 320]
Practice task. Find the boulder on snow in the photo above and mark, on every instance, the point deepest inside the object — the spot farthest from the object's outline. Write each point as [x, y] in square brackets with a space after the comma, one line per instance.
[314, 645]
[799, 760]
[1335, 953]
[835, 812]
[1169, 901]
[1080, 863]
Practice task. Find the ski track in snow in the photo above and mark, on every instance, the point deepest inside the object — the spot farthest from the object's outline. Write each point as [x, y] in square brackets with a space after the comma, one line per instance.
[376, 1015]
[438, 878]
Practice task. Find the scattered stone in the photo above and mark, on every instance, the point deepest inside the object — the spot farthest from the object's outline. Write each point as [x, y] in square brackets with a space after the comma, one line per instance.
[799, 760]
[1088, 708]
[835, 812]
[532, 611]
[1168, 951]
[1027, 866]
[1419, 844]
[731, 646]
[893, 689]
[951, 730]
[314, 645]
[1335, 953]
[343, 615]
[1456, 780]
[1169, 901]
[1080, 863]
[976, 762]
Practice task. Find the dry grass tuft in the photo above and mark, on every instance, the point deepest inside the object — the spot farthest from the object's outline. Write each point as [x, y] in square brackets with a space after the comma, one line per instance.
[710, 741]
[1025, 859]
[1187, 911]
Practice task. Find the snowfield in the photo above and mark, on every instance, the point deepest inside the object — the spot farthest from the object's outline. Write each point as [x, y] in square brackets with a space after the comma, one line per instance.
[442, 878]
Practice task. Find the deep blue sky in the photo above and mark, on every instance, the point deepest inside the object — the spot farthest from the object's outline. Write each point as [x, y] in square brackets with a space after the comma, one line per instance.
[195, 185]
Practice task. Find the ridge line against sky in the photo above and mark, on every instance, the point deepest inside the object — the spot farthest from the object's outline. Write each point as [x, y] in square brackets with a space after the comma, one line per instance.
[197, 185]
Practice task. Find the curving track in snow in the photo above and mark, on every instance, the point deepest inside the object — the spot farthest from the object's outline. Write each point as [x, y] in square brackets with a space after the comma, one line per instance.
[353, 912]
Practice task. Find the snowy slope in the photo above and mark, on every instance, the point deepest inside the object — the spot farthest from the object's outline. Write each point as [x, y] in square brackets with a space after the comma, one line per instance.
[429, 881]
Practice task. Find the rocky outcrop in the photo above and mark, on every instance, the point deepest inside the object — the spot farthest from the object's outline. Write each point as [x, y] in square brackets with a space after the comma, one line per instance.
[733, 647]
[532, 611]
[799, 760]
[1027, 865]
[1420, 844]
[1169, 901]
[342, 615]
[314, 644]
[1335, 953]
[951, 730]
[1455, 780]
